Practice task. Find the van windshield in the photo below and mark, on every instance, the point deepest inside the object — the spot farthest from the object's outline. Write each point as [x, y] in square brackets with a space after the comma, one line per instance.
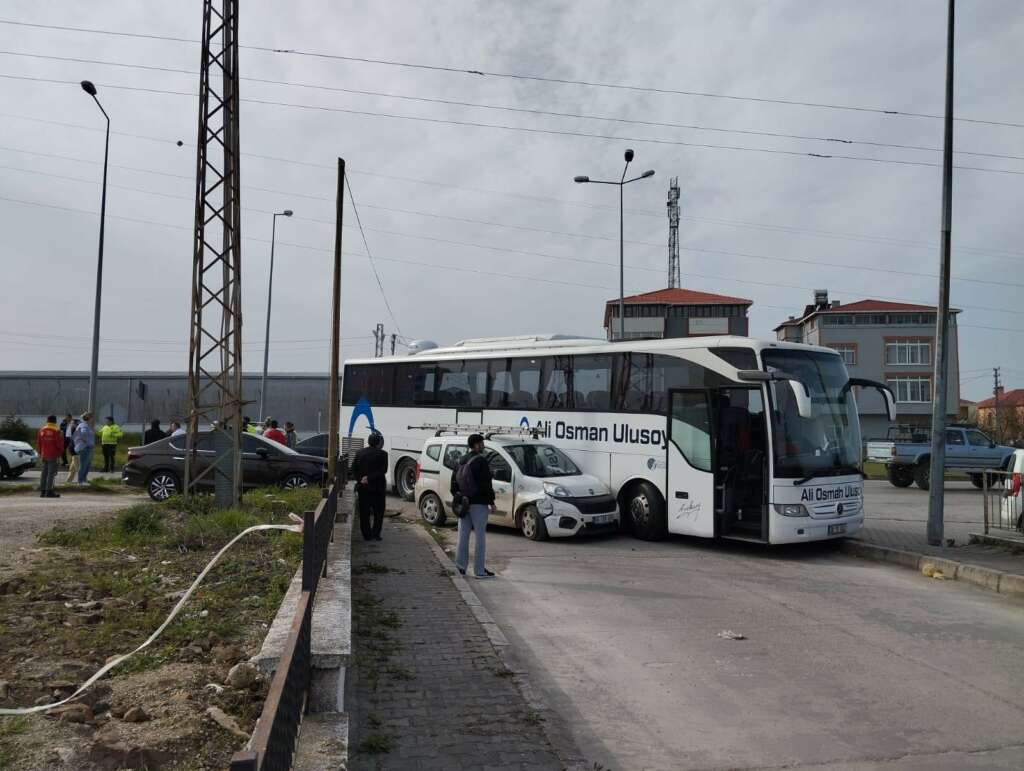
[542, 460]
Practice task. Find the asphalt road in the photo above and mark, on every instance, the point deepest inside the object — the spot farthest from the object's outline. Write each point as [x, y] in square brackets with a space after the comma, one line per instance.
[846, 663]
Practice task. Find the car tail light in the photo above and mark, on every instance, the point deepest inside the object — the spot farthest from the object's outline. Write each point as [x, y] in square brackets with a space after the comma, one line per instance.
[418, 472]
[133, 456]
[1015, 486]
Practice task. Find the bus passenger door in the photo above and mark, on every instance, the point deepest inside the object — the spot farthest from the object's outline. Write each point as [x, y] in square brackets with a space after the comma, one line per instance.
[741, 464]
[690, 493]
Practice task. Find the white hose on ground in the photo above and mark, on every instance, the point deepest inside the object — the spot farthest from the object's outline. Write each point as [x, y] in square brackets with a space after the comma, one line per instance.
[177, 608]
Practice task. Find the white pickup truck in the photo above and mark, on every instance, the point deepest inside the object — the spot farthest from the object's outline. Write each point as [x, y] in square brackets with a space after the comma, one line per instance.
[907, 454]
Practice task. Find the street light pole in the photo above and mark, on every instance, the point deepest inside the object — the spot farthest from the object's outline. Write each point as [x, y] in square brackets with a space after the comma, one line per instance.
[936, 492]
[622, 261]
[270, 292]
[90, 89]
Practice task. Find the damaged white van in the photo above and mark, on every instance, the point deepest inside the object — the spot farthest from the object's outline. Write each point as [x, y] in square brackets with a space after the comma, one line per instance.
[537, 487]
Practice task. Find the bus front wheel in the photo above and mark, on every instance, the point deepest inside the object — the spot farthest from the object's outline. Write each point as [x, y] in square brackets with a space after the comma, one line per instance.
[645, 512]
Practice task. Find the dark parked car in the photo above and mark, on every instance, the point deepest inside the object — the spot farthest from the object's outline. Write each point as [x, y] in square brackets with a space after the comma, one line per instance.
[160, 467]
[313, 445]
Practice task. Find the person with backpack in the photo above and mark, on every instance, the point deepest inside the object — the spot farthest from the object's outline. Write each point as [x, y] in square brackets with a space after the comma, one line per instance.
[369, 469]
[473, 489]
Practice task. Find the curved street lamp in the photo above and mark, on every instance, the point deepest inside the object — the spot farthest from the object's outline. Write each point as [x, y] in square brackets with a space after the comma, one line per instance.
[270, 291]
[628, 157]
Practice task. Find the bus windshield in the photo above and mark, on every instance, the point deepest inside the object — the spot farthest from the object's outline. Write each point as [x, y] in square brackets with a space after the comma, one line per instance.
[827, 443]
[542, 460]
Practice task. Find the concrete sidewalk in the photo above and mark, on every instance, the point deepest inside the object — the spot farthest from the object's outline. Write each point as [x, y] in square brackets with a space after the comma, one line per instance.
[429, 691]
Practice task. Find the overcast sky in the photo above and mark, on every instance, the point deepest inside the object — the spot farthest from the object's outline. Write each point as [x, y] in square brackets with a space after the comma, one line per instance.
[867, 217]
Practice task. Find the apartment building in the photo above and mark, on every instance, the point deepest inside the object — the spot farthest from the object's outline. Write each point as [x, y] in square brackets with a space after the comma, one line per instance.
[886, 341]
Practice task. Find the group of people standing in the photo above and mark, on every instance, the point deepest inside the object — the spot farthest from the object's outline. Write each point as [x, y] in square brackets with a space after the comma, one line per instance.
[71, 444]
[271, 430]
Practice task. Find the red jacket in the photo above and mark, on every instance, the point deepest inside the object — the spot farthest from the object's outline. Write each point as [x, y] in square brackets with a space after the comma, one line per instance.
[50, 442]
[275, 435]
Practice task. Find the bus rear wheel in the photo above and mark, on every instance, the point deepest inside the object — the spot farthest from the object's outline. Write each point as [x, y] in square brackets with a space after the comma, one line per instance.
[645, 512]
[405, 479]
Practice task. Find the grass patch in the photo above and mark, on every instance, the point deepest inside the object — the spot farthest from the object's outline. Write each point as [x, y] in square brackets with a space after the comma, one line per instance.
[400, 673]
[10, 726]
[376, 744]
[371, 567]
[17, 489]
[533, 717]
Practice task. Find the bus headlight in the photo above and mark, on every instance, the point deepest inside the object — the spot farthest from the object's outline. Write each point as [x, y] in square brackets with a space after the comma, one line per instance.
[556, 491]
[545, 507]
[791, 509]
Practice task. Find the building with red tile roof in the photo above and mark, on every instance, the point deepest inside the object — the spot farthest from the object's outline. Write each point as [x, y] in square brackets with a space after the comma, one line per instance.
[677, 313]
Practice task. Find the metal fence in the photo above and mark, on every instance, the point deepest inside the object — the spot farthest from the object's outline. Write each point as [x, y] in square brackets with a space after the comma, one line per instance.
[273, 741]
[1003, 502]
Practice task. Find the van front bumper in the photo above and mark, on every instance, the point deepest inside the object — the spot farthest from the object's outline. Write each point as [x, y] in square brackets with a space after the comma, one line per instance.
[567, 520]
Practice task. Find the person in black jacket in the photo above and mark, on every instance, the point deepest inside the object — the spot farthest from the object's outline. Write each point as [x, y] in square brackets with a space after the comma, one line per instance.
[480, 506]
[369, 469]
[154, 433]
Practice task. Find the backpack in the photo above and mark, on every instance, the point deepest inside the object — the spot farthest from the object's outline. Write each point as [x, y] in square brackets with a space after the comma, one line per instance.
[465, 479]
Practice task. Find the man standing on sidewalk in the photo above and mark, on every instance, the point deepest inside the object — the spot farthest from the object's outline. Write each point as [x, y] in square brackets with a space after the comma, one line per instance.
[370, 469]
[50, 442]
[472, 481]
[110, 435]
[85, 442]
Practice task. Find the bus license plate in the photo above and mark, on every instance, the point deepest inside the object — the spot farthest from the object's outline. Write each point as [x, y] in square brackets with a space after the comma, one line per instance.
[836, 529]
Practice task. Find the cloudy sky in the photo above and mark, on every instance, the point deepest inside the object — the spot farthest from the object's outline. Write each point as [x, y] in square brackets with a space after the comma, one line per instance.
[478, 229]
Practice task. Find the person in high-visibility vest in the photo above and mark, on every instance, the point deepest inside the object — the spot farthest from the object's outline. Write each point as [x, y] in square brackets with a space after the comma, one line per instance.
[110, 435]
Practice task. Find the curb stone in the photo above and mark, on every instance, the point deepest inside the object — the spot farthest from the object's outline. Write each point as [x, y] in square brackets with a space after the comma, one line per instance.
[999, 581]
[559, 737]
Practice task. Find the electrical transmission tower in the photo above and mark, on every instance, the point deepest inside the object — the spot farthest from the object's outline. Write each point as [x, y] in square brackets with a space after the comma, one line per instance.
[378, 341]
[215, 343]
[673, 233]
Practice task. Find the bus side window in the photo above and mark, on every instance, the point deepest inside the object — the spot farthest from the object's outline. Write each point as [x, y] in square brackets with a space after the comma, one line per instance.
[691, 427]
[592, 382]
[555, 383]
[501, 383]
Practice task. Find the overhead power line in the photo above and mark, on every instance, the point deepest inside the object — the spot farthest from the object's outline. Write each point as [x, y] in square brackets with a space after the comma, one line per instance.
[533, 278]
[524, 110]
[480, 72]
[867, 238]
[532, 129]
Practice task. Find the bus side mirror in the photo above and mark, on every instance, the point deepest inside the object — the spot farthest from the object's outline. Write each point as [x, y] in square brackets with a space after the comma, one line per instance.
[803, 400]
[887, 395]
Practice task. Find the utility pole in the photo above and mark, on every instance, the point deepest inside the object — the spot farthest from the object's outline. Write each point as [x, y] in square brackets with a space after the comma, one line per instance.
[334, 408]
[673, 233]
[215, 341]
[997, 388]
[394, 337]
[936, 492]
[378, 341]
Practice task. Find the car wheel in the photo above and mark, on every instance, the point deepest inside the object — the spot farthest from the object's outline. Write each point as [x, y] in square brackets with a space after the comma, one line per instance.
[405, 479]
[16, 473]
[900, 476]
[923, 474]
[977, 480]
[432, 510]
[532, 524]
[293, 481]
[4, 469]
[645, 512]
[162, 485]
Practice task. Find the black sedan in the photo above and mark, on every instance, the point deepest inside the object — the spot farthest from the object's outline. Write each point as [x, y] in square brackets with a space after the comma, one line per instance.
[160, 467]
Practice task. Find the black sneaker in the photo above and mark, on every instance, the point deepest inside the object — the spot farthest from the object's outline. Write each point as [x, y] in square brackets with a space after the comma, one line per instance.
[52, 495]
[462, 571]
[487, 574]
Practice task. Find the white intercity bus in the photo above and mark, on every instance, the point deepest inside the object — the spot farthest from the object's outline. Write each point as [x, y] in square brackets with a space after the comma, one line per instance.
[712, 436]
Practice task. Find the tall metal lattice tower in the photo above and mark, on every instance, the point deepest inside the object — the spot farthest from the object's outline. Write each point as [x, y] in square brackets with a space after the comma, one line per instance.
[673, 233]
[215, 343]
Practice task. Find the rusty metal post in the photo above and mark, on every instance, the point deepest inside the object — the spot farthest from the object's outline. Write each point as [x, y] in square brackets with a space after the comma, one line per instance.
[334, 407]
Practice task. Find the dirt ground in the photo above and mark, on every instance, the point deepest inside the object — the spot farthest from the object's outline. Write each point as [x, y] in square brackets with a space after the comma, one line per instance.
[23, 516]
[97, 585]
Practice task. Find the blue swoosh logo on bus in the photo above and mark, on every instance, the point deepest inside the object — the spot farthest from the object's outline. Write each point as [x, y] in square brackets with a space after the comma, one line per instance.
[524, 422]
[362, 408]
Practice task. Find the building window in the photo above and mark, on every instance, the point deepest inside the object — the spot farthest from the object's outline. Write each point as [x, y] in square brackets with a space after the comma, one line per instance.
[908, 352]
[911, 390]
[848, 351]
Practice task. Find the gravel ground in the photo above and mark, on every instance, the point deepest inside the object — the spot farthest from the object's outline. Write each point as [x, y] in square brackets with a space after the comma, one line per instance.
[23, 516]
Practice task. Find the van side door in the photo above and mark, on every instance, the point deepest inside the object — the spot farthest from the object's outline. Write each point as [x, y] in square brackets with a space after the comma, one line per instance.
[502, 481]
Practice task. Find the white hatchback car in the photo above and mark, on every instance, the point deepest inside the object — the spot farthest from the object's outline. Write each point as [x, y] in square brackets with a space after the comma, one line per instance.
[16, 458]
[537, 487]
[1011, 514]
